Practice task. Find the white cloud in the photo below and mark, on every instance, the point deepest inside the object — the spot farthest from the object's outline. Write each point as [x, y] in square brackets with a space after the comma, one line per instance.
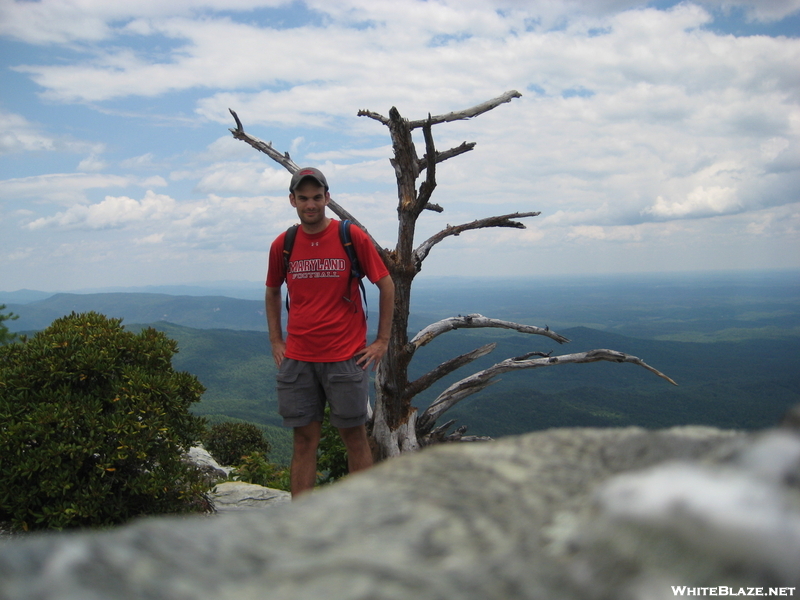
[18, 135]
[699, 202]
[145, 161]
[759, 10]
[111, 212]
[92, 163]
[60, 21]
[155, 181]
[59, 188]
[243, 178]
[637, 127]
[213, 222]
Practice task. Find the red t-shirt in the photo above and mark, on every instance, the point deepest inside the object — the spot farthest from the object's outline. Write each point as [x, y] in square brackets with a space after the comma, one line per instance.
[324, 326]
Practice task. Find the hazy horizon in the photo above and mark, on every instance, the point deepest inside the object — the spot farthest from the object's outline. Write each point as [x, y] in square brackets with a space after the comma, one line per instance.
[428, 281]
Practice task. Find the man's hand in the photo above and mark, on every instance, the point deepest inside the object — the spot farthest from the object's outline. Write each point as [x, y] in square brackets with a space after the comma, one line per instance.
[372, 354]
[278, 351]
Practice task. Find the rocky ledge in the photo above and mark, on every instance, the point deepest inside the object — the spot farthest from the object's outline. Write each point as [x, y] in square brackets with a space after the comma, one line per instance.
[565, 513]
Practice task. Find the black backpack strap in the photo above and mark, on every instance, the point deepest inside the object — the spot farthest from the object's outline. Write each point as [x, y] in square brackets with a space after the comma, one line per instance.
[288, 244]
[355, 266]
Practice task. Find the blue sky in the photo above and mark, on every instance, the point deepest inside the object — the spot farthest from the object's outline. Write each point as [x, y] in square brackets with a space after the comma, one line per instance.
[652, 137]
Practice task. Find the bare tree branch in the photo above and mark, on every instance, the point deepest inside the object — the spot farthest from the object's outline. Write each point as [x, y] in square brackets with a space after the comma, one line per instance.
[469, 112]
[475, 321]
[439, 435]
[443, 156]
[423, 383]
[373, 115]
[265, 147]
[459, 115]
[478, 381]
[501, 221]
[427, 186]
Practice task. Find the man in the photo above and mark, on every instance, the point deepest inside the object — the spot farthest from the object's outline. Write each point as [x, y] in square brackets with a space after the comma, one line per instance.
[325, 356]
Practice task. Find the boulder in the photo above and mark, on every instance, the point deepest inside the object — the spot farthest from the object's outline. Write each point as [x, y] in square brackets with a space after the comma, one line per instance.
[564, 513]
[200, 458]
[231, 496]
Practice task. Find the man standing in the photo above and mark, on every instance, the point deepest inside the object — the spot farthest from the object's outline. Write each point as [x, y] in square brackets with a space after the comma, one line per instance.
[325, 356]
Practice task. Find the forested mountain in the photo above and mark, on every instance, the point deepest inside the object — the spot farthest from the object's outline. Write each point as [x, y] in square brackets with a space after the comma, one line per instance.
[733, 346]
[726, 384]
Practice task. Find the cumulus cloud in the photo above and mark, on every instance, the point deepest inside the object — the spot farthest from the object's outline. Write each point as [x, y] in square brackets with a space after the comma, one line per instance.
[214, 222]
[700, 202]
[111, 212]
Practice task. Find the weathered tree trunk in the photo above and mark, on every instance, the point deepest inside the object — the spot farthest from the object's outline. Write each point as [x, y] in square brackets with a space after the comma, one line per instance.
[396, 427]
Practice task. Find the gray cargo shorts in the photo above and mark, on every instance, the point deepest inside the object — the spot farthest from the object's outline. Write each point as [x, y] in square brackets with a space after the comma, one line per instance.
[305, 387]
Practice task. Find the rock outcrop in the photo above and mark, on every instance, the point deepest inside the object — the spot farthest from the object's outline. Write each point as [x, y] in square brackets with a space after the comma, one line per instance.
[202, 460]
[564, 513]
[236, 496]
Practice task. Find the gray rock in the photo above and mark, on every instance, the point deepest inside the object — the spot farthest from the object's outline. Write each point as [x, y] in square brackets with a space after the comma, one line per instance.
[231, 496]
[565, 513]
[211, 469]
[228, 496]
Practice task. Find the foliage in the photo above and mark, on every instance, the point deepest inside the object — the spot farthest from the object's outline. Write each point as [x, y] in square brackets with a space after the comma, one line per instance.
[331, 453]
[279, 438]
[5, 336]
[255, 468]
[229, 442]
[93, 423]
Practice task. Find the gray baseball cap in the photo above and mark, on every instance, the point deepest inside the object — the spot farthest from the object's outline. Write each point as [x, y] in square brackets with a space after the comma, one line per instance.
[310, 172]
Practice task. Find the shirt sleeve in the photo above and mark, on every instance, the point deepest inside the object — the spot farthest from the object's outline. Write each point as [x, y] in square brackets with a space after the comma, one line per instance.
[275, 269]
[370, 260]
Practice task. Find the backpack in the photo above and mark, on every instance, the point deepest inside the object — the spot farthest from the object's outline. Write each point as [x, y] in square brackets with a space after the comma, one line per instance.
[347, 241]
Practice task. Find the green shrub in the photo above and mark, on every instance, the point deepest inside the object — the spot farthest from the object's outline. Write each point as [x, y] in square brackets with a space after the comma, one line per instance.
[229, 442]
[93, 422]
[256, 469]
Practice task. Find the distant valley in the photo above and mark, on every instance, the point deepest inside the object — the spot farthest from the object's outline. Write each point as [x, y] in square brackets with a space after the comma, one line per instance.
[733, 345]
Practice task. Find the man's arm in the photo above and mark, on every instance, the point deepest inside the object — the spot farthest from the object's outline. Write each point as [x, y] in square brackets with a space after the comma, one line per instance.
[373, 353]
[272, 300]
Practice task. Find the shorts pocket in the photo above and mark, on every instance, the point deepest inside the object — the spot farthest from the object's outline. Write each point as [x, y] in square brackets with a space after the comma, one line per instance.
[348, 395]
[290, 396]
[286, 378]
[356, 377]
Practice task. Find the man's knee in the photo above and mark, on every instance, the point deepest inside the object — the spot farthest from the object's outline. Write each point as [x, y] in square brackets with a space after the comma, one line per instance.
[306, 438]
[354, 436]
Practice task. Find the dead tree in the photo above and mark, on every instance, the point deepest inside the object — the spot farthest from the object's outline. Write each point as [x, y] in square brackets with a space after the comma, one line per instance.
[396, 427]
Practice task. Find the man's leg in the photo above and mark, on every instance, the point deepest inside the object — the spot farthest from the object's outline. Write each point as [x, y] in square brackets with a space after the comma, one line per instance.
[359, 454]
[304, 457]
